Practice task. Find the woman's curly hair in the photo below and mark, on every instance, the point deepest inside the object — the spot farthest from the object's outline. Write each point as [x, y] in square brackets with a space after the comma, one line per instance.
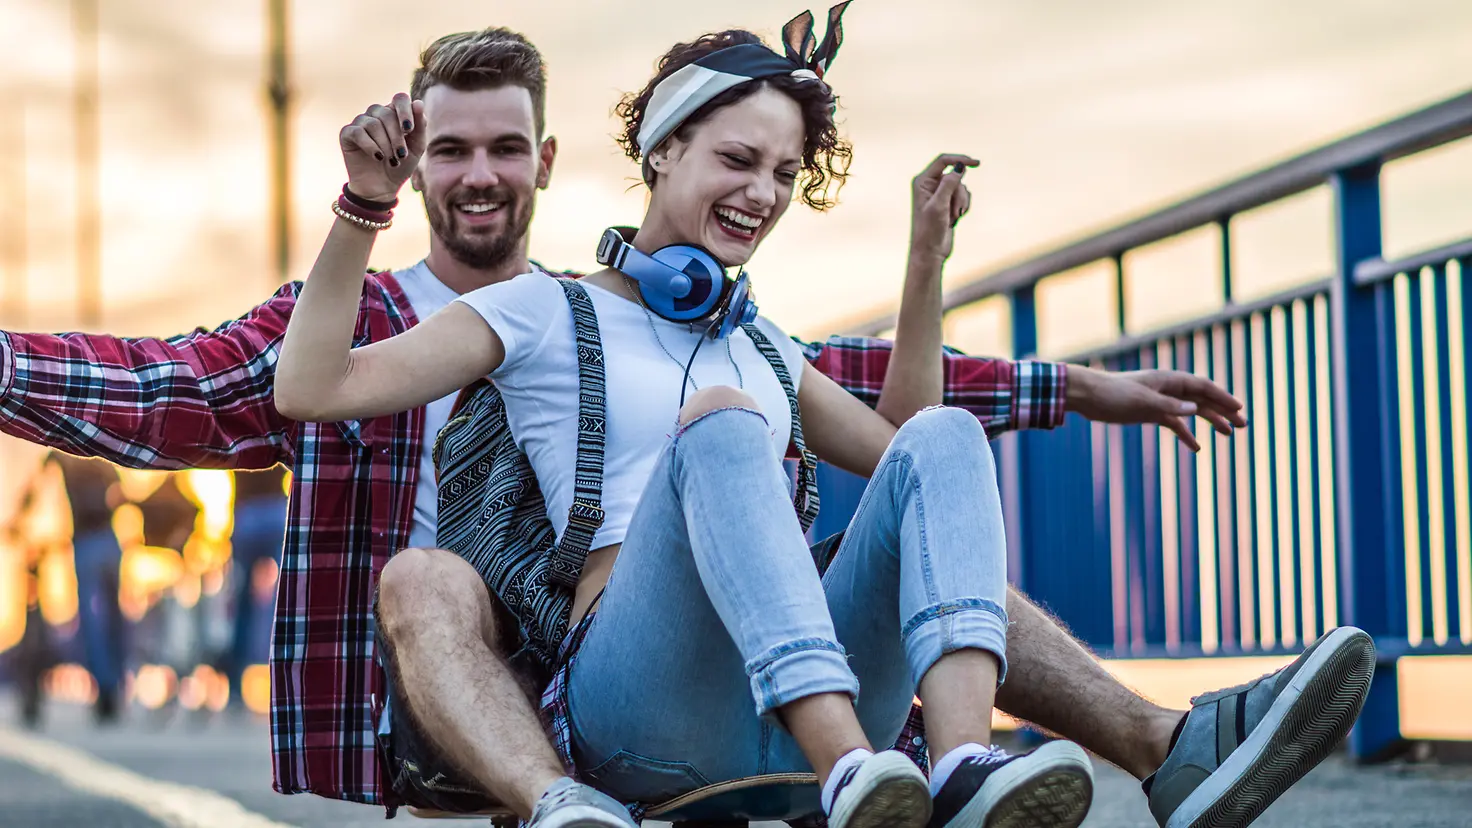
[825, 155]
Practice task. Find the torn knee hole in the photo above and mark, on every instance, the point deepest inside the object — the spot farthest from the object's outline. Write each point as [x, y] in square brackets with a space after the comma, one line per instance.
[708, 401]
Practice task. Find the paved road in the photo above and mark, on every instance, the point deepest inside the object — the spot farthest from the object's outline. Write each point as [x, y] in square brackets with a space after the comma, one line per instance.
[135, 776]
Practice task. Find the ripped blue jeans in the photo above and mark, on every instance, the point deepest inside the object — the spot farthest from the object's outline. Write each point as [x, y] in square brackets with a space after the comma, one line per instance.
[715, 614]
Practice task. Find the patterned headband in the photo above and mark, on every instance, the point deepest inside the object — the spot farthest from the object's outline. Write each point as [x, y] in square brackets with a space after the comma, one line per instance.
[692, 86]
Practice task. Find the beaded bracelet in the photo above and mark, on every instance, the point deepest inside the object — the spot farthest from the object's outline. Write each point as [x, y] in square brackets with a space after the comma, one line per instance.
[364, 219]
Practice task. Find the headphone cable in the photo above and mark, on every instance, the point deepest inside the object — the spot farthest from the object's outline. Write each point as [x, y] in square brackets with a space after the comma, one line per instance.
[685, 380]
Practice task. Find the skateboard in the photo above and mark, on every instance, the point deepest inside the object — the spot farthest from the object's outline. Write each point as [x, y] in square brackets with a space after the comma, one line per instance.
[730, 804]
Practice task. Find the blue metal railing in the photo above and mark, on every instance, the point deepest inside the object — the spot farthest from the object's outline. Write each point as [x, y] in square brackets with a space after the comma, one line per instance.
[1345, 502]
[1230, 550]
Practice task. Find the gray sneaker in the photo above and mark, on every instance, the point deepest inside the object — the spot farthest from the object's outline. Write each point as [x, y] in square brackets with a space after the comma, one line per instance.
[1241, 748]
[885, 790]
[568, 804]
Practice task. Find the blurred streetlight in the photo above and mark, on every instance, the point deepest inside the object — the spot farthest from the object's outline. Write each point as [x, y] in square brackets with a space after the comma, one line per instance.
[89, 196]
[13, 260]
[278, 91]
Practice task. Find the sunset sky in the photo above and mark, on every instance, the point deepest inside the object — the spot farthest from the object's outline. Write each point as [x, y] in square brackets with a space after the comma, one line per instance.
[1083, 112]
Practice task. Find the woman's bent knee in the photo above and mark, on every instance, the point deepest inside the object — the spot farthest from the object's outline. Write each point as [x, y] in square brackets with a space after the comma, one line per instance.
[944, 420]
[715, 398]
[943, 429]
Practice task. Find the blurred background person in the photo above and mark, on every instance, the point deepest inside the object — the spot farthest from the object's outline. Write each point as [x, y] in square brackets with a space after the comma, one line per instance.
[35, 653]
[169, 633]
[92, 492]
[259, 532]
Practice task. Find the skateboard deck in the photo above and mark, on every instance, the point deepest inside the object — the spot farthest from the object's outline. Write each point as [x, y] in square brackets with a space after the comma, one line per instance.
[751, 798]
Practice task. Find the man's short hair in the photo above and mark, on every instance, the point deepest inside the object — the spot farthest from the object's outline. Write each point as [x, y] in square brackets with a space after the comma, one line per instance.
[487, 59]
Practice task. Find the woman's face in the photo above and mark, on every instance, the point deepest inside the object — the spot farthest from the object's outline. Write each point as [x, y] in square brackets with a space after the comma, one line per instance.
[725, 187]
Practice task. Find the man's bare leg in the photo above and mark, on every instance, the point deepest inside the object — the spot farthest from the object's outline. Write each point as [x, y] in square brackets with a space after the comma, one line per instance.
[1053, 682]
[434, 609]
[1222, 773]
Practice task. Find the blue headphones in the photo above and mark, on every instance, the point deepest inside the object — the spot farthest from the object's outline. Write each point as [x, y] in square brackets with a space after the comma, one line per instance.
[681, 283]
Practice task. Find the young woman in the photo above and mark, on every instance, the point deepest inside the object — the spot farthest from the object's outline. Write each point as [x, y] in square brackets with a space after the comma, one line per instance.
[712, 649]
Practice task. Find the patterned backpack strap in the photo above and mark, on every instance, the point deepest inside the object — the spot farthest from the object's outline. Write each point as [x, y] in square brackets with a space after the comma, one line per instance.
[805, 495]
[586, 514]
[459, 413]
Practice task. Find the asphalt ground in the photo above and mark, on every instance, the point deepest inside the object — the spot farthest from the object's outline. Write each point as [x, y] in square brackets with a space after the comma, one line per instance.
[182, 769]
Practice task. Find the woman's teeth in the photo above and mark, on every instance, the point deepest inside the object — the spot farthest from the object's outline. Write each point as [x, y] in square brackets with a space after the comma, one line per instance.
[737, 220]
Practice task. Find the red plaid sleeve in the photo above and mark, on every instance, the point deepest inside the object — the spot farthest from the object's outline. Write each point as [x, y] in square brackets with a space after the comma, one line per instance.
[202, 399]
[1004, 395]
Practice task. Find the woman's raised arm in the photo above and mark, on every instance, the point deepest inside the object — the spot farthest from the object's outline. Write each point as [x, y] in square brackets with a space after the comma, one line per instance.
[916, 374]
[838, 427]
[321, 377]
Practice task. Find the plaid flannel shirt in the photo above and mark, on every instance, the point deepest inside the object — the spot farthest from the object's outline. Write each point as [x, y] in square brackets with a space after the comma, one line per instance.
[204, 399]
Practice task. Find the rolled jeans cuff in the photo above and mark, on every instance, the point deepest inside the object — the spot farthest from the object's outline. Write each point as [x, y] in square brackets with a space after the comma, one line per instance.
[798, 669]
[960, 624]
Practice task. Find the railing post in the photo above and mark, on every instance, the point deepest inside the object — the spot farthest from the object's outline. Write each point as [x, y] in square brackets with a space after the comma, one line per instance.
[1121, 316]
[1362, 387]
[1024, 322]
[1225, 225]
[1017, 467]
[1022, 475]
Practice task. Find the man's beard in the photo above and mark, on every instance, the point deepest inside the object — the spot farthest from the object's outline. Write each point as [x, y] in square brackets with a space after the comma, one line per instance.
[480, 250]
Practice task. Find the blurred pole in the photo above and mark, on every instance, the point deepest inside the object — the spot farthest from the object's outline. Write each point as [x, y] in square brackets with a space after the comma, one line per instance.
[15, 221]
[89, 196]
[278, 89]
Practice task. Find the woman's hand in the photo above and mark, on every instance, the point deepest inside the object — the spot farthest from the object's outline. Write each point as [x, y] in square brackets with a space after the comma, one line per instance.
[382, 146]
[320, 376]
[938, 200]
[915, 377]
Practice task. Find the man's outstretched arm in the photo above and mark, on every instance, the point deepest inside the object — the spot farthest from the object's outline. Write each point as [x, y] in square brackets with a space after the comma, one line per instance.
[1003, 394]
[1024, 394]
[196, 400]
[916, 370]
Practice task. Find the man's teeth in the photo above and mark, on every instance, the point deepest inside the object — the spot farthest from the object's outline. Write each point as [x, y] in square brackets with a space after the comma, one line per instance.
[479, 207]
[739, 219]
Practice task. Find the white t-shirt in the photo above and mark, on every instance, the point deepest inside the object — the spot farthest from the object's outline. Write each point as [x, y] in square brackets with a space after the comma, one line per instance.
[427, 294]
[539, 383]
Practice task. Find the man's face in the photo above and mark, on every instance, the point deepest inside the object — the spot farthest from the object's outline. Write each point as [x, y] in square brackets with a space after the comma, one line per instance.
[481, 169]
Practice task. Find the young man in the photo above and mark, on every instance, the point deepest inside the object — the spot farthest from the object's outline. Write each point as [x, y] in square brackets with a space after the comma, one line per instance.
[364, 490]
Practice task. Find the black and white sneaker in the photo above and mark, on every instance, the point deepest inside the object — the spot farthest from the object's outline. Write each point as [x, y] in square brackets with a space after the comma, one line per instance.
[1051, 786]
[885, 790]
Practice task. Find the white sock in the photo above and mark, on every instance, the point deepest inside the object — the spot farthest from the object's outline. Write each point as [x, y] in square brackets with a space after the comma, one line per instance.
[948, 764]
[849, 759]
